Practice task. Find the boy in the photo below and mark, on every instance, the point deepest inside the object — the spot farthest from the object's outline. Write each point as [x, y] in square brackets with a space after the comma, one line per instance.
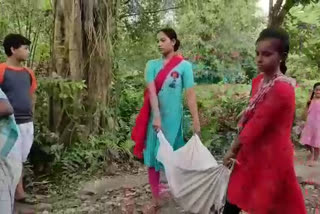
[10, 170]
[19, 84]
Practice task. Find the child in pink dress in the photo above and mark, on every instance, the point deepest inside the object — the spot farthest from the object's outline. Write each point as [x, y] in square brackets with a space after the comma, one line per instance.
[311, 133]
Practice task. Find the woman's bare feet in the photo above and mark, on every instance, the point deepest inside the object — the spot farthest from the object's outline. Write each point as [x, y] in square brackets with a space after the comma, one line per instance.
[152, 207]
[149, 209]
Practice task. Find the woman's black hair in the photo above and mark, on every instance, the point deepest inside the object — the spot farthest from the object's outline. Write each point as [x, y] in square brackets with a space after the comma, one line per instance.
[283, 49]
[312, 95]
[172, 35]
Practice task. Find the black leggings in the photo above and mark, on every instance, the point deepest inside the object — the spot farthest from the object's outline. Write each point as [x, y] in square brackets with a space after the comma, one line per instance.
[231, 209]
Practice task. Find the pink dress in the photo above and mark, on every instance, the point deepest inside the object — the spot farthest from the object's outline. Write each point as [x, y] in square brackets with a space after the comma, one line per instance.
[311, 132]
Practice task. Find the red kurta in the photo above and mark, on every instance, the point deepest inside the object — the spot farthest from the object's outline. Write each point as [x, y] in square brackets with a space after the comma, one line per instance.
[255, 83]
[264, 181]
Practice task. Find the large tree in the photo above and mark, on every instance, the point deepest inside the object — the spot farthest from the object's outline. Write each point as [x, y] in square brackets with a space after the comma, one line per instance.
[82, 50]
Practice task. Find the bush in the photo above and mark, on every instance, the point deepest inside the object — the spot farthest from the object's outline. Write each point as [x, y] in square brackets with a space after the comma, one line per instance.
[219, 108]
[56, 99]
[60, 124]
[92, 154]
[300, 67]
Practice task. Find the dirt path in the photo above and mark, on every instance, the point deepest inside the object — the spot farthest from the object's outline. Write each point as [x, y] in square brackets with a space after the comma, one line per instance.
[128, 193]
[309, 178]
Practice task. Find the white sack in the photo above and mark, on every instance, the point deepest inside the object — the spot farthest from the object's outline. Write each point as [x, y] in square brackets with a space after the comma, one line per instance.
[195, 179]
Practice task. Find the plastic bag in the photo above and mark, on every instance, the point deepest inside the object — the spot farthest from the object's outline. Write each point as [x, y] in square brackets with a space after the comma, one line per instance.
[195, 179]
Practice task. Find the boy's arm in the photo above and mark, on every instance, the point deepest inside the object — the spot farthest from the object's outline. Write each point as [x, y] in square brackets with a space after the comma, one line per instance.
[33, 88]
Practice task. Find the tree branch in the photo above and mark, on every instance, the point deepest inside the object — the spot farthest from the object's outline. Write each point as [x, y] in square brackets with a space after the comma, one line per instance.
[285, 9]
[276, 8]
[150, 12]
[279, 12]
[288, 5]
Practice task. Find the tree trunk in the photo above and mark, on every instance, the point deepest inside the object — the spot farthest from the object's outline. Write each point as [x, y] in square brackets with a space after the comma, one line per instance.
[59, 40]
[82, 50]
[278, 12]
[270, 12]
[75, 41]
[98, 51]
[274, 12]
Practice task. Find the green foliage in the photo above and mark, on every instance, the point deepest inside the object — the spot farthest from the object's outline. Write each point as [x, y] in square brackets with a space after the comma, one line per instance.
[51, 92]
[304, 28]
[300, 67]
[65, 91]
[128, 98]
[219, 37]
[93, 153]
[292, 3]
[81, 152]
[111, 145]
[219, 109]
[136, 36]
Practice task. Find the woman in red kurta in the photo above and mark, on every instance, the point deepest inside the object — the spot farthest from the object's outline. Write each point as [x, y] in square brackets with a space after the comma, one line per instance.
[263, 180]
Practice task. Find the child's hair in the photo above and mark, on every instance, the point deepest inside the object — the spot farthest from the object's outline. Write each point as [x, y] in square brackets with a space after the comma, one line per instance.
[283, 46]
[14, 41]
[312, 95]
[172, 35]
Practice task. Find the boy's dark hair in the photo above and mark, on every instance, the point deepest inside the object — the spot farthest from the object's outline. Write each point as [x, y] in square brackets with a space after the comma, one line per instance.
[284, 44]
[312, 95]
[14, 41]
[172, 35]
